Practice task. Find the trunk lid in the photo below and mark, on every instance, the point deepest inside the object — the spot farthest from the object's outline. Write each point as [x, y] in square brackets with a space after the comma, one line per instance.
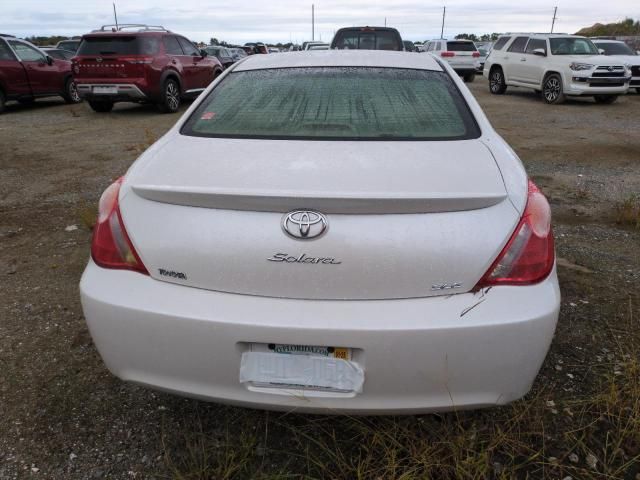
[405, 219]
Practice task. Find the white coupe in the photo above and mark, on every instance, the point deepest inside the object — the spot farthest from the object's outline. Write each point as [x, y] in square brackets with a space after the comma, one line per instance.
[332, 231]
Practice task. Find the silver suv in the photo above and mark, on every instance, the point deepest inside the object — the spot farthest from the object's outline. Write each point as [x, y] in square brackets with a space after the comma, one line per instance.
[556, 65]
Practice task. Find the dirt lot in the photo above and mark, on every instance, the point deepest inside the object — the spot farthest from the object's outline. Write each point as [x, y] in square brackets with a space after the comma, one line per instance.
[65, 417]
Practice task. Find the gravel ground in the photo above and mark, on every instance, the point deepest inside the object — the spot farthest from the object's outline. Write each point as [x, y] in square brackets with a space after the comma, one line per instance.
[65, 417]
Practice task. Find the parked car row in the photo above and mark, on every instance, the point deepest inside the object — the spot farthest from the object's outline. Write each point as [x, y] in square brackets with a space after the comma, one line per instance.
[150, 64]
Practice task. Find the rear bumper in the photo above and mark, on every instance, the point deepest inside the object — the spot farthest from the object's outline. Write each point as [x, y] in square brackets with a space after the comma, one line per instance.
[123, 91]
[418, 355]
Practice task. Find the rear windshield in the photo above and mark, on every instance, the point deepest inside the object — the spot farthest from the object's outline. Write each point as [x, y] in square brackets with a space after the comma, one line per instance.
[615, 48]
[71, 45]
[336, 103]
[119, 45]
[461, 46]
[367, 40]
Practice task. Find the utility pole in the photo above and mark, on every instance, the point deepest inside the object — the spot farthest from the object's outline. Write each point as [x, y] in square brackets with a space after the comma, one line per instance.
[385, 21]
[553, 22]
[444, 12]
[115, 15]
[313, 22]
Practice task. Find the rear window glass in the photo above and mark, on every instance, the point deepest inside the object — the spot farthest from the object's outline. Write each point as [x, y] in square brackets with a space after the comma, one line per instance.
[120, 45]
[367, 40]
[461, 47]
[336, 103]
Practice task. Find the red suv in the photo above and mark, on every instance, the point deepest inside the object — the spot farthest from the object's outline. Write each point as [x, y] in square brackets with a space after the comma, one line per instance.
[27, 73]
[140, 63]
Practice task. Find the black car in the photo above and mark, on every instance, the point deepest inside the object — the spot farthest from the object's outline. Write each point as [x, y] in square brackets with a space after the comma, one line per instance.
[59, 53]
[223, 54]
[409, 46]
[367, 38]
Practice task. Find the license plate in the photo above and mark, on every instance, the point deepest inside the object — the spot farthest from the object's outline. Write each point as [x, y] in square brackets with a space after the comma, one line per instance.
[301, 367]
[105, 90]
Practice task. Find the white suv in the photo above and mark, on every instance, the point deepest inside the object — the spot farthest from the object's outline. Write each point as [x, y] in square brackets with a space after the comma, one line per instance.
[557, 66]
[462, 55]
[623, 53]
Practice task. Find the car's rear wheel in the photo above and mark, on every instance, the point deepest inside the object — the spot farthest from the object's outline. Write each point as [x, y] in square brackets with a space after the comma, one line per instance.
[552, 92]
[2, 101]
[101, 106]
[606, 99]
[71, 94]
[497, 84]
[469, 77]
[170, 102]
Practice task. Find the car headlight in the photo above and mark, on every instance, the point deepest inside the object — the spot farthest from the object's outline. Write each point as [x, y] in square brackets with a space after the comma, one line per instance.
[575, 66]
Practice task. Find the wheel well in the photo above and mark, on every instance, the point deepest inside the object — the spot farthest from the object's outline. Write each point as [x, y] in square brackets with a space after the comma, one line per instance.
[173, 76]
[495, 67]
[551, 72]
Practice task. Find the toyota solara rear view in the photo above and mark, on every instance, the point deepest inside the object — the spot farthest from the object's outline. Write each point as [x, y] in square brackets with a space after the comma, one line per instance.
[329, 231]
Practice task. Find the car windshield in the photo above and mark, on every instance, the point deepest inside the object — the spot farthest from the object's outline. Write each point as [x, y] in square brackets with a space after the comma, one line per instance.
[461, 46]
[335, 103]
[611, 48]
[362, 39]
[118, 45]
[572, 46]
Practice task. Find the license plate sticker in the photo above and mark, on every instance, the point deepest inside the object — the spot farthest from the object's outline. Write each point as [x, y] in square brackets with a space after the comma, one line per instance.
[291, 371]
[105, 90]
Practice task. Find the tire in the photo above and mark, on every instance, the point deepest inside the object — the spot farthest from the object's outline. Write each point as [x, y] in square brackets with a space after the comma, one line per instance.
[469, 77]
[170, 102]
[605, 99]
[70, 94]
[27, 101]
[2, 101]
[497, 84]
[637, 90]
[552, 89]
[101, 106]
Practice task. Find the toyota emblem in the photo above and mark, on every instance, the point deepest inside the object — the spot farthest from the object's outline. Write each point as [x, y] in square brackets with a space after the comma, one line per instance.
[304, 224]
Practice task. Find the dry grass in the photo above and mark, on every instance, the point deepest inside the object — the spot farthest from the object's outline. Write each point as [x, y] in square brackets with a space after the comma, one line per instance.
[88, 216]
[149, 139]
[627, 212]
[594, 435]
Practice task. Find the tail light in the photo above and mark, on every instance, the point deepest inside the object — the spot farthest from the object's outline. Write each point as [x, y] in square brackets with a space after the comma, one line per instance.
[137, 60]
[475, 54]
[448, 54]
[529, 255]
[111, 246]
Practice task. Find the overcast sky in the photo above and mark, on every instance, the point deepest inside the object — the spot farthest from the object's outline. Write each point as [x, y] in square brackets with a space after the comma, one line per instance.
[284, 20]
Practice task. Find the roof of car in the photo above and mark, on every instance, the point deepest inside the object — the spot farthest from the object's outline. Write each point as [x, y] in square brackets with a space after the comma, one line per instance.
[340, 58]
[606, 40]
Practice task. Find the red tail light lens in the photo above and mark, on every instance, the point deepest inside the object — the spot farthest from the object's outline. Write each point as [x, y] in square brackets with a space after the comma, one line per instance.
[476, 54]
[529, 255]
[111, 247]
[448, 54]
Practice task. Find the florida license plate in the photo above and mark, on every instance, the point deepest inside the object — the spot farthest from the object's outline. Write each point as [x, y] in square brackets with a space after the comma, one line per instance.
[301, 367]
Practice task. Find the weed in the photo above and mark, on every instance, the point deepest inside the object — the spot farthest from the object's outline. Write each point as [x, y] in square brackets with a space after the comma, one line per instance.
[627, 211]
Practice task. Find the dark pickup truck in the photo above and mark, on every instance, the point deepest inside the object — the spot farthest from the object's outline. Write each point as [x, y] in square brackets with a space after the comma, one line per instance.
[27, 73]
